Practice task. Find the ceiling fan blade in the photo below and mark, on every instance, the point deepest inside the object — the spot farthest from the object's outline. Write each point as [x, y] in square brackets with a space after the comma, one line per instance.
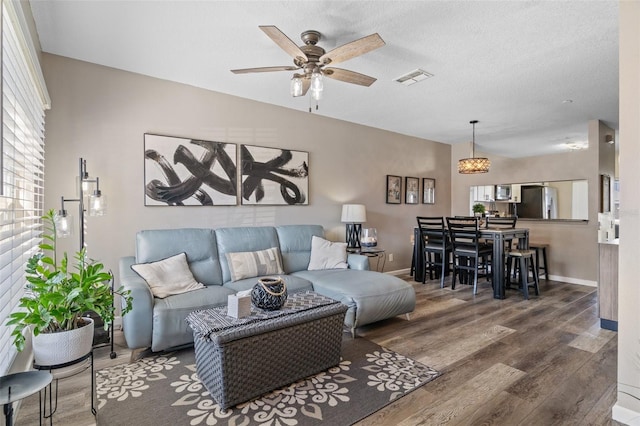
[348, 76]
[265, 69]
[353, 49]
[284, 42]
[306, 83]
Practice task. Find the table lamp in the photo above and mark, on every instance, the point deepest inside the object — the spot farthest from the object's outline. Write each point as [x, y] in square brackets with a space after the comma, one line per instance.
[354, 215]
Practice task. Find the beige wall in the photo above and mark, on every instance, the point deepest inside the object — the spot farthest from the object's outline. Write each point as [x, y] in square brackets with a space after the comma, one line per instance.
[627, 408]
[101, 114]
[573, 252]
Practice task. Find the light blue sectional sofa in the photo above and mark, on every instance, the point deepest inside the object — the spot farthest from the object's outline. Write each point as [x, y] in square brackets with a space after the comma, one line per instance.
[160, 323]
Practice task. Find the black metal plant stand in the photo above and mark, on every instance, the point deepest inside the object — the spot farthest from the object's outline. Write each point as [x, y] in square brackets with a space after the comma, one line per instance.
[97, 344]
[53, 403]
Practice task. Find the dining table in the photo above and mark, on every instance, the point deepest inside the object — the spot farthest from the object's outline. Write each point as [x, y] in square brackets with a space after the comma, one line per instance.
[498, 265]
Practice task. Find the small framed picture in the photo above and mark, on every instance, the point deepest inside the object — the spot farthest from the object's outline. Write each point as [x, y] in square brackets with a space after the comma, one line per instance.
[428, 191]
[412, 190]
[394, 189]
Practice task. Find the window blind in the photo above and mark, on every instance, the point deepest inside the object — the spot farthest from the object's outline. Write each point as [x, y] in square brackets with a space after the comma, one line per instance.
[22, 196]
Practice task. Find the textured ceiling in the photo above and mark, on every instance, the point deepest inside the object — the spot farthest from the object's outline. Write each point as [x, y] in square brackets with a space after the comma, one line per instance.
[511, 65]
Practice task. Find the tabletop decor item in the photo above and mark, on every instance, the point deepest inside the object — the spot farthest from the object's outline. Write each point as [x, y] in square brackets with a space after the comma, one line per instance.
[58, 295]
[354, 215]
[478, 209]
[270, 293]
[369, 237]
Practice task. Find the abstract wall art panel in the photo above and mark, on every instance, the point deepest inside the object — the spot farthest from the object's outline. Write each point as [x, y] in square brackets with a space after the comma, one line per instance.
[272, 176]
[189, 172]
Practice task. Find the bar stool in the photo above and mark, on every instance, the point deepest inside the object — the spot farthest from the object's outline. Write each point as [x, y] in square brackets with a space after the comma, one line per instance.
[524, 258]
[541, 267]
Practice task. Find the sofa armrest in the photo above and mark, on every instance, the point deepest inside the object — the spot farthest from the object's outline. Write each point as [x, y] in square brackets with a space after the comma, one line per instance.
[137, 325]
[358, 261]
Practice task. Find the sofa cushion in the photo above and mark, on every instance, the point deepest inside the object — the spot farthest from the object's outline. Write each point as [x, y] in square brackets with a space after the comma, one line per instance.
[327, 255]
[295, 245]
[198, 244]
[371, 296]
[232, 240]
[293, 284]
[168, 276]
[248, 264]
[170, 328]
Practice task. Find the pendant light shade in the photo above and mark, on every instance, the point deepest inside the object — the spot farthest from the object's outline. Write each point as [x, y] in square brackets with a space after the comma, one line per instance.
[296, 86]
[473, 164]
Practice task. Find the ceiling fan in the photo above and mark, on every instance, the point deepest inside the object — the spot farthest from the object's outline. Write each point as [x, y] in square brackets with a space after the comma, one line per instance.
[311, 61]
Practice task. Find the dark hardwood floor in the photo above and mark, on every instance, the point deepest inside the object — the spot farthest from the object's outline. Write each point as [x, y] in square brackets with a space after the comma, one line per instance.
[544, 361]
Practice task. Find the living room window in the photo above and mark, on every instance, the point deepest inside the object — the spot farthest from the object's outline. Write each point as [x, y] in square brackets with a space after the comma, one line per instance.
[24, 100]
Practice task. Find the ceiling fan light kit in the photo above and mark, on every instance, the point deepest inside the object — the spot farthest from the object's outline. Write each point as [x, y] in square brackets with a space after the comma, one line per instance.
[310, 61]
[473, 164]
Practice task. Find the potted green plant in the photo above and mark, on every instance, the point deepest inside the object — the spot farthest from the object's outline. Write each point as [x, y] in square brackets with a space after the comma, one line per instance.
[58, 295]
[478, 209]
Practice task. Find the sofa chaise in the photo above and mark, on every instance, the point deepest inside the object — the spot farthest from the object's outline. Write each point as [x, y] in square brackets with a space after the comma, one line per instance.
[159, 323]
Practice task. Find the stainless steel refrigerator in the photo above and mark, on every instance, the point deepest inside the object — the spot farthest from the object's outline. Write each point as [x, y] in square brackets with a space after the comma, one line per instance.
[538, 202]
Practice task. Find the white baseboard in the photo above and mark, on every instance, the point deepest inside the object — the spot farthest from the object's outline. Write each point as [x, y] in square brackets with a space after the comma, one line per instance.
[567, 280]
[399, 272]
[625, 416]
[570, 280]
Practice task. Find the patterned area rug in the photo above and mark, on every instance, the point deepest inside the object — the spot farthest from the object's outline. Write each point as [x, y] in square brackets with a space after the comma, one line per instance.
[164, 389]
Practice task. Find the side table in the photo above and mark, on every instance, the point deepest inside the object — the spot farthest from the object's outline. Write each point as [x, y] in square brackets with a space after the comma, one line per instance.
[17, 386]
[370, 252]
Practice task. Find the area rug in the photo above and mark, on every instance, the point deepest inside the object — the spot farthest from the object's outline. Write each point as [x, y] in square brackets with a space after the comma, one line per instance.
[165, 390]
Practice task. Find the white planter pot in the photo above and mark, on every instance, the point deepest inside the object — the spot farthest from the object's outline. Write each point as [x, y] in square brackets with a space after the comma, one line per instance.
[65, 346]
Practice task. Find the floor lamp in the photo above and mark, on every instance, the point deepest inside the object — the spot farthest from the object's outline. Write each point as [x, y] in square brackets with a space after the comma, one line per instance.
[354, 215]
[92, 202]
[95, 201]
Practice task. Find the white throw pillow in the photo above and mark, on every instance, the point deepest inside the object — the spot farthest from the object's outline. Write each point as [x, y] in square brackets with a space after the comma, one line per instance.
[327, 255]
[168, 276]
[249, 264]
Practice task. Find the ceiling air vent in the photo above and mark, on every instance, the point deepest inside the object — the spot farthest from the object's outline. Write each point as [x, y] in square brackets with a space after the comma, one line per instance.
[413, 77]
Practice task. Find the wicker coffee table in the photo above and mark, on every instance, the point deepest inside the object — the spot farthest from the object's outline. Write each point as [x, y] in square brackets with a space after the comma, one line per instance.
[240, 359]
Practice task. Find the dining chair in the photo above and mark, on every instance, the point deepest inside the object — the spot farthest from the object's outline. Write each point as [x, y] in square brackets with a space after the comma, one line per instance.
[470, 254]
[502, 223]
[436, 248]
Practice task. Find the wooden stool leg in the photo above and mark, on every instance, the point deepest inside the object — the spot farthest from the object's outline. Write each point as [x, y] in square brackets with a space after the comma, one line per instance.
[536, 281]
[544, 259]
[507, 277]
[455, 272]
[524, 279]
[443, 266]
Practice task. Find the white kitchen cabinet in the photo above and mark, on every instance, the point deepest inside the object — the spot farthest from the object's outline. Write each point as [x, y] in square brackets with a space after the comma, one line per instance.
[483, 193]
[516, 190]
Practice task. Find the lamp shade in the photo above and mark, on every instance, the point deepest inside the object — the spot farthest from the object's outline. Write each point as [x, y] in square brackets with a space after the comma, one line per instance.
[64, 224]
[473, 165]
[97, 204]
[354, 213]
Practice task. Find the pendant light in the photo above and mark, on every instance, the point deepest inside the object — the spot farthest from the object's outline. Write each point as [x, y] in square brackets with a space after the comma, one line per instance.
[473, 164]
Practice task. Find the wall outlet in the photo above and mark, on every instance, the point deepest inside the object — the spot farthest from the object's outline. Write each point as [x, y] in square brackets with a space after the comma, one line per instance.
[390, 257]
